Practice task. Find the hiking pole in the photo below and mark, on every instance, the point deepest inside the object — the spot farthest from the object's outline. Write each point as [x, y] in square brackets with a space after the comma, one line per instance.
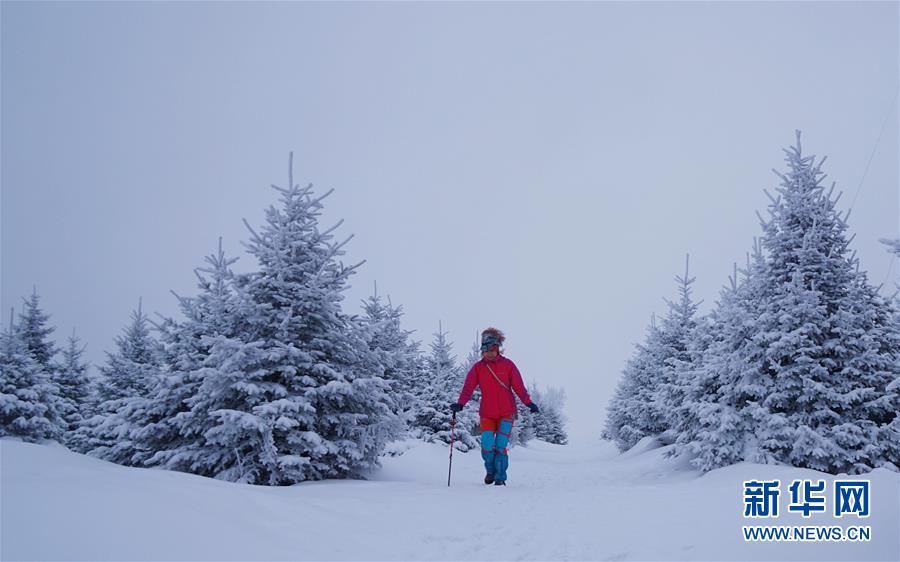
[452, 427]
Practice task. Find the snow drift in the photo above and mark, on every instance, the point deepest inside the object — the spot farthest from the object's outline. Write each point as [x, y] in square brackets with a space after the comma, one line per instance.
[578, 502]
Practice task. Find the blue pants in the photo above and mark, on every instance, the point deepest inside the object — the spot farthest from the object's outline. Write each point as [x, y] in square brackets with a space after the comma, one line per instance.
[494, 439]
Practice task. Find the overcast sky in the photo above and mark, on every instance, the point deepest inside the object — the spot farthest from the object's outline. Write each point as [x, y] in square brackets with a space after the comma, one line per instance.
[540, 167]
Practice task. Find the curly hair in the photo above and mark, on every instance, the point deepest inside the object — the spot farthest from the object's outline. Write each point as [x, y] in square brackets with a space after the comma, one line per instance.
[496, 333]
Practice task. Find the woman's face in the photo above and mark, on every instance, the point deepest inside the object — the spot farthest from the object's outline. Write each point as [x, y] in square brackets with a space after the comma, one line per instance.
[491, 354]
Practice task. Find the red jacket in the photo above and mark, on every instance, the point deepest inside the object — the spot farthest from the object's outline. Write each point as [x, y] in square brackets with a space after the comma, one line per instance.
[496, 399]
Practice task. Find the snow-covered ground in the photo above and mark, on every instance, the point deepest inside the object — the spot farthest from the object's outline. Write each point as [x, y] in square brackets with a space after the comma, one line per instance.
[578, 502]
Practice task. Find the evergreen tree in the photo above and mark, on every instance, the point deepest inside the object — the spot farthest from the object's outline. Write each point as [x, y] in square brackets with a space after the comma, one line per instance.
[171, 431]
[311, 400]
[633, 411]
[217, 378]
[891, 434]
[539, 422]
[398, 355]
[29, 403]
[132, 369]
[715, 421]
[652, 390]
[523, 429]
[470, 417]
[831, 347]
[127, 378]
[442, 383]
[549, 425]
[433, 419]
[35, 331]
[473, 357]
[803, 352]
[679, 356]
[74, 384]
[554, 430]
[235, 445]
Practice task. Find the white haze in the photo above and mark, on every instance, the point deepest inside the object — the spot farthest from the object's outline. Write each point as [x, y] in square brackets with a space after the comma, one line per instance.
[540, 167]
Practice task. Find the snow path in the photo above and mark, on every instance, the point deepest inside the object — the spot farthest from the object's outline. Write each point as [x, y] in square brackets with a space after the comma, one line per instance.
[579, 502]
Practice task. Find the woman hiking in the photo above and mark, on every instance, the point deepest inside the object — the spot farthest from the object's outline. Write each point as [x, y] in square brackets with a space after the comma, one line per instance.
[497, 377]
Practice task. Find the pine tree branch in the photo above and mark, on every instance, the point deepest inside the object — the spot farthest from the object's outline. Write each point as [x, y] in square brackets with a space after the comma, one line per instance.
[762, 222]
[318, 200]
[337, 247]
[332, 229]
[256, 237]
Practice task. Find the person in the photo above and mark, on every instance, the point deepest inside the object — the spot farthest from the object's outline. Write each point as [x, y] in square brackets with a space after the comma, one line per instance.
[498, 377]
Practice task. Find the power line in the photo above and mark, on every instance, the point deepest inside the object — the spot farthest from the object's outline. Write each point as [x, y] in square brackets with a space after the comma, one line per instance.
[890, 268]
[874, 148]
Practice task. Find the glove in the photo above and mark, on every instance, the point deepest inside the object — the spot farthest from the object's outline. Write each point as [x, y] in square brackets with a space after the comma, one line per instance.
[455, 407]
[534, 408]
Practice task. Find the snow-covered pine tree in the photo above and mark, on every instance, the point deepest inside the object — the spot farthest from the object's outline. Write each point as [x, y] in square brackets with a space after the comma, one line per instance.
[232, 447]
[523, 429]
[172, 427]
[802, 353]
[891, 435]
[871, 431]
[549, 425]
[633, 411]
[219, 431]
[29, 402]
[469, 417]
[651, 391]
[555, 428]
[399, 356]
[831, 346]
[433, 418]
[131, 370]
[313, 402]
[539, 423]
[715, 423]
[35, 331]
[74, 384]
[679, 358]
[474, 356]
[126, 380]
[442, 382]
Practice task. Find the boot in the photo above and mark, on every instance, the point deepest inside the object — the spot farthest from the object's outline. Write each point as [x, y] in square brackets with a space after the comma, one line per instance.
[488, 478]
[499, 482]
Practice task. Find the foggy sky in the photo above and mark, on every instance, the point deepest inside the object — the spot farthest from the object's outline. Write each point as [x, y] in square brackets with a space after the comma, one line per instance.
[543, 168]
